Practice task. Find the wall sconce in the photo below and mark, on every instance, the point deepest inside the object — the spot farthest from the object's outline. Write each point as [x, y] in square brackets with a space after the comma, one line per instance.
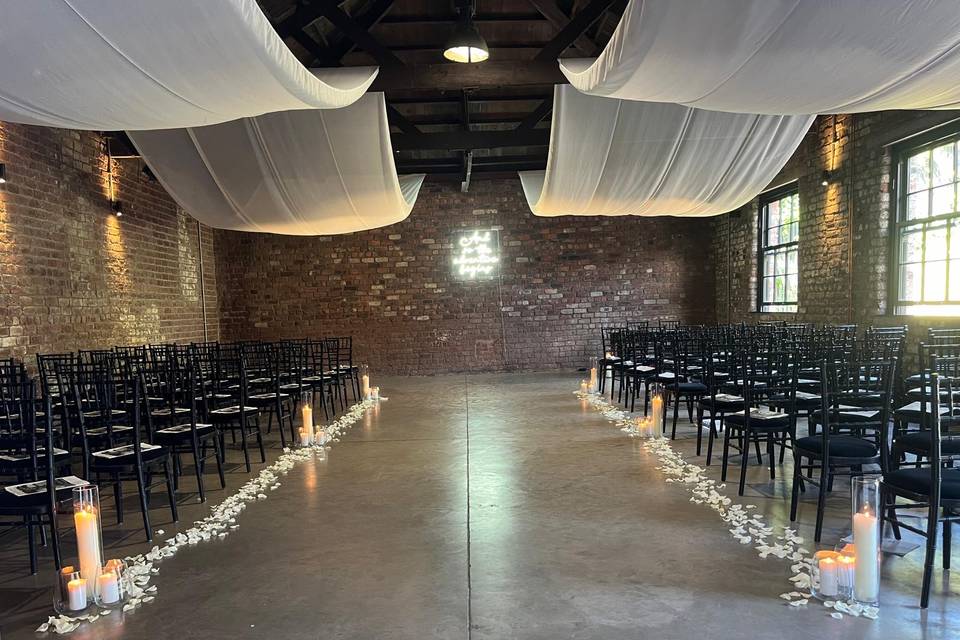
[825, 178]
[117, 208]
[3, 173]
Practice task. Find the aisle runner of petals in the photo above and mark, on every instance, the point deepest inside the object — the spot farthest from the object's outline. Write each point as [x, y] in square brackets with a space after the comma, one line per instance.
[217, 526]
[746, 527]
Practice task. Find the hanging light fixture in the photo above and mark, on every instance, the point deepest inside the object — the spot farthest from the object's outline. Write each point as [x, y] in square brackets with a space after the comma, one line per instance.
[466, 44]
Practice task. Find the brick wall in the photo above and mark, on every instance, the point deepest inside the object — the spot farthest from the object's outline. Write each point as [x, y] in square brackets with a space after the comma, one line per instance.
[72, 274]
[393, 288]
[845, 229]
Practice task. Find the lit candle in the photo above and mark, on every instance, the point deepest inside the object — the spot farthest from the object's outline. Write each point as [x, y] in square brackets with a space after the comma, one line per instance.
[375, 393]
[87, 523]
[321, 435]
[593, 378]
[77, 594]
[109, 587]
[584, 386]
[305, 437]
[866, 539]
[306, 417]
[829, 577]
[657, 406]
[365, 384]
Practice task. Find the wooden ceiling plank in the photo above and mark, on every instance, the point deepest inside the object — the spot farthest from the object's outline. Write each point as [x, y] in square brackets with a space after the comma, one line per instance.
[536, 115]
[457, 140]
[455, 77]
[556, 16]
[578, 24]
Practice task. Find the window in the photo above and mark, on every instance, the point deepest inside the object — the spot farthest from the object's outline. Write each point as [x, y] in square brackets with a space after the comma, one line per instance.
[779, 228]
[927, 276]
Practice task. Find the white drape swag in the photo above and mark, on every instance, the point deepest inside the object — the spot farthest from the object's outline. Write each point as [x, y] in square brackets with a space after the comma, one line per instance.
[621, 157]
[154, 64]
[314, 172]
[781, 56]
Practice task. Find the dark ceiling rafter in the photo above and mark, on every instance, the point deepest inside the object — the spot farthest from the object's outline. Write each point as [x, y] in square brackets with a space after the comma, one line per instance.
[454, 77]
[468, 140]
[550, 11]
[536, 115]
[356, 30]
[578, 24]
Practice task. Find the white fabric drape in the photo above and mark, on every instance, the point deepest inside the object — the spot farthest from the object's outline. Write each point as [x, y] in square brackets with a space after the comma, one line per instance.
[313, 172]
[154, 64]
[781, 56]
[621, 157]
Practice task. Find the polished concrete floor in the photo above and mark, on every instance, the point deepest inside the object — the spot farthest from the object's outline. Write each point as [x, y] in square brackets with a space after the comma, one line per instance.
[486, 507]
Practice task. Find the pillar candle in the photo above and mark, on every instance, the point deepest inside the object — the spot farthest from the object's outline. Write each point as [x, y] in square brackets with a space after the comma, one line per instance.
[845, 574]
[109, 587]
[77, 594]
[365, 386]
[829, 577]
[657, 413]
[593, 378]
[305, 438]
[306, 416]
[88, 546]
[866, 573]
[321, 437]
[375, 393]
[584, 386]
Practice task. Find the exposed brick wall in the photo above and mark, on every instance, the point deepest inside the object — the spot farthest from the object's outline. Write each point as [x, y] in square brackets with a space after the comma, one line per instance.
[845, 223]
[73, 275]
[393, 288]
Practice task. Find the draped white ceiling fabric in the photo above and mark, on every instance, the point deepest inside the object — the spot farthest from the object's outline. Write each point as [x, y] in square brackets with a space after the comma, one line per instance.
[313, 172]
[621, 157]
[781, 56]
[154, 64]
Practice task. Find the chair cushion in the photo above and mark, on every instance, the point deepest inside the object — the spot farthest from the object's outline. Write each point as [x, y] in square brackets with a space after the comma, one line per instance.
[692, 387]
[840, 446]
[850, 414]
[165, 412]
[918, 481]
[919, 442]
[267, 396]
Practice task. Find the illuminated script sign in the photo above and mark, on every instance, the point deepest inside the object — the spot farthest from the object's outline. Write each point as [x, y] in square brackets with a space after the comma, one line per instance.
[476, 255]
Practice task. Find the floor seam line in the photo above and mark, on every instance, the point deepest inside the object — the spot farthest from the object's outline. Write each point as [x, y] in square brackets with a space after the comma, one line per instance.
[466, 399]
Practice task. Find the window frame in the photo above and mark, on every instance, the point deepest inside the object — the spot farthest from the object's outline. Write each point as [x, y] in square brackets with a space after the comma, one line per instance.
[766, 198]
[900, 192]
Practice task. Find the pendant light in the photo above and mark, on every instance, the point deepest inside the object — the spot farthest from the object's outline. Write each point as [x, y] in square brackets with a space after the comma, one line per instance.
[466, 44]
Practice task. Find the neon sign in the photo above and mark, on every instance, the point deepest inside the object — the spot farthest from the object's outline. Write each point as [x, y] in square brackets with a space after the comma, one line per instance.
[477, 255]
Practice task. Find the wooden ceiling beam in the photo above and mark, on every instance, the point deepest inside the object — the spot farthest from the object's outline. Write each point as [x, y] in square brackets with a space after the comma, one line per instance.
[400, 121]
[458, 140]
[455, 77]
[536, 115]
[556, 16]
[578, 24]
[361, 35]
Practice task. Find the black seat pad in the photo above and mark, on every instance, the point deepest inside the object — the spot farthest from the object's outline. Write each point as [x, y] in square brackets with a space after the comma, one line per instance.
[918, 481]
[692, 387]
[840, 446]
[919, 441]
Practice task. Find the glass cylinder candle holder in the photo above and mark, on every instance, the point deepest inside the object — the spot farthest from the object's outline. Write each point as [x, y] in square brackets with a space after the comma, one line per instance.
[584, 387]
[657, 407]
[112, 585]
[364, 372]
[825, 575]
[70, 595]
[594, 380]
[70, 591]
[86, 520]
[865, 494]
[306, 418]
